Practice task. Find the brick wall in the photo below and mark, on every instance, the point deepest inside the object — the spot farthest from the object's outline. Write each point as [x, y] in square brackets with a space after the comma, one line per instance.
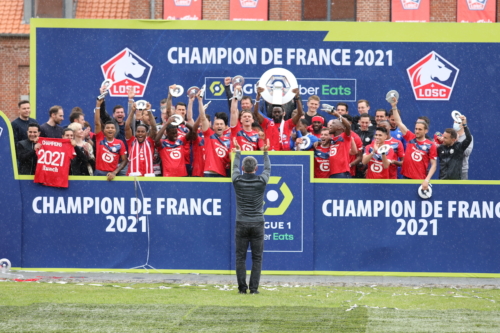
[139, 9]
[374, 11]
[444, 11]
[14, 73]
[285, 10]
[215, 10]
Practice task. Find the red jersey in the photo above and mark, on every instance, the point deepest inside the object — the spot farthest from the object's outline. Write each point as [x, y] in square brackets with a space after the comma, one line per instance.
[321, 162]
[278, 134]
[107, 154]
[248, 141]
[172, 157]
[54, 158]
[199, 151]
[399, 153]
[417, 156]
[182, 131]
[216, 152]
[359, 147]
[375, 168]
[339, 154]
[140, 157]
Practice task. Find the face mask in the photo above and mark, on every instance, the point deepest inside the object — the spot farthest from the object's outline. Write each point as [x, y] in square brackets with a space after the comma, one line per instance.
[457, 126]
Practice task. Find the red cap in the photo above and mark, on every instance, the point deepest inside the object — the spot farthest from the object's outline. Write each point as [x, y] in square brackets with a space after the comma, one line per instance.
[318, 118]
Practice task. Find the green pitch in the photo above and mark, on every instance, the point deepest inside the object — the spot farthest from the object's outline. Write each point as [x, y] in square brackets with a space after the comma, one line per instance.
[45, 307]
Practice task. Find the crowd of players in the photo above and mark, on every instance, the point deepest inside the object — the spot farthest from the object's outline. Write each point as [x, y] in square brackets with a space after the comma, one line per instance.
[344, 146]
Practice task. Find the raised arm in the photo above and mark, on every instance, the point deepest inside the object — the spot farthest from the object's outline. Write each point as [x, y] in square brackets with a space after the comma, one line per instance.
[152, 124]
[298, 102]
[205, 124]
[228, 92]
[236, 161]
[266, 174]
[192, 133]
[397, 117]
[129, 132]
[234, 111]
[97, 116]
[189, 112]
[256, 112]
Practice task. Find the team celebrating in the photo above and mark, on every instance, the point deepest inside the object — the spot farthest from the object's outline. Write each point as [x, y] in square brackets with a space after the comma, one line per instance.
[180, 145]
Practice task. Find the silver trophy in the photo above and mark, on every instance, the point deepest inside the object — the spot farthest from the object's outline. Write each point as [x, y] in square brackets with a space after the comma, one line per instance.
[391, 95]
[278, 84]
[141, 104]
[5, 265]
[106, 84]
[192, 91]
[238, 80]
[456, 116]
[327, 108]
[178, 120]
[176, 91]
[383, 149]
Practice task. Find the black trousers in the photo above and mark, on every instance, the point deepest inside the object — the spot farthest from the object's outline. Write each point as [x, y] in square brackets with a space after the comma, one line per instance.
[249, 233]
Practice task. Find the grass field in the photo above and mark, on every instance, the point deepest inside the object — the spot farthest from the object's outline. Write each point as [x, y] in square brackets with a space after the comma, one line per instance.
[58, 307]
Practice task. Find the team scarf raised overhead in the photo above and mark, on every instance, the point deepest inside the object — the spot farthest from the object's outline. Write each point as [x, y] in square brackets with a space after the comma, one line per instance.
[135, 152]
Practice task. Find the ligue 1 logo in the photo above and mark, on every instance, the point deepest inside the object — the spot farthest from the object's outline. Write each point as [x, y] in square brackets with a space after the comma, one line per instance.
[126, 69]
[432, 78]
[410, 4]
[249, 3]
[476, 4]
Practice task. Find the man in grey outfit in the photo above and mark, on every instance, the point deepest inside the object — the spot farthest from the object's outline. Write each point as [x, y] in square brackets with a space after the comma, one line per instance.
[249, 189]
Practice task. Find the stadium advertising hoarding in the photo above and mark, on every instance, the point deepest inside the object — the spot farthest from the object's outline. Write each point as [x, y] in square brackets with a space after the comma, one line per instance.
[312, 225]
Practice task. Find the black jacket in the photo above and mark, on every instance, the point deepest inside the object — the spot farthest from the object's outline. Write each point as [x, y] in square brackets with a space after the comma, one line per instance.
[451, 157]
[26, 156]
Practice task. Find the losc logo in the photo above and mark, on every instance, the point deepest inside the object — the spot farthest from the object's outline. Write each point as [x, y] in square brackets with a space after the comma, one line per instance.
[476, 4]
[410, 4]
[432, 78]
[127, 69]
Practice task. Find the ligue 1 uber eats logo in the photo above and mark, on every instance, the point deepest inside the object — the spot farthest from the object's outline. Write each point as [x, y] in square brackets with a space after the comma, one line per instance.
[126, 69]
[432, 78]
[272, 204]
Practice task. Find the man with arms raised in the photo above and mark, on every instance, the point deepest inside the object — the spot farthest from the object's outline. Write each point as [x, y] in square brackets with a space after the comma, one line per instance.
[20, 124]
[249, 191]
[378, 162]
[141, 146]
[277, 129]
[340, 147]
[419, 150]
[241, 128]
[110, 152]
[173, 149]
[451, 152]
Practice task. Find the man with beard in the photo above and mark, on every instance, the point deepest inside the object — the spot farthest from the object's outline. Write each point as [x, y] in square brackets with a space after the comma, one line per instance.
[340, 147]
[420, 151]
[217, 144]
[173, 149]
[451, 152]
[322, 155]
[317, 126]
[277, 129]
[51, 128]
[20, 124]
[141, 146]
[110, 152]
[241, 128]
[26, 150]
